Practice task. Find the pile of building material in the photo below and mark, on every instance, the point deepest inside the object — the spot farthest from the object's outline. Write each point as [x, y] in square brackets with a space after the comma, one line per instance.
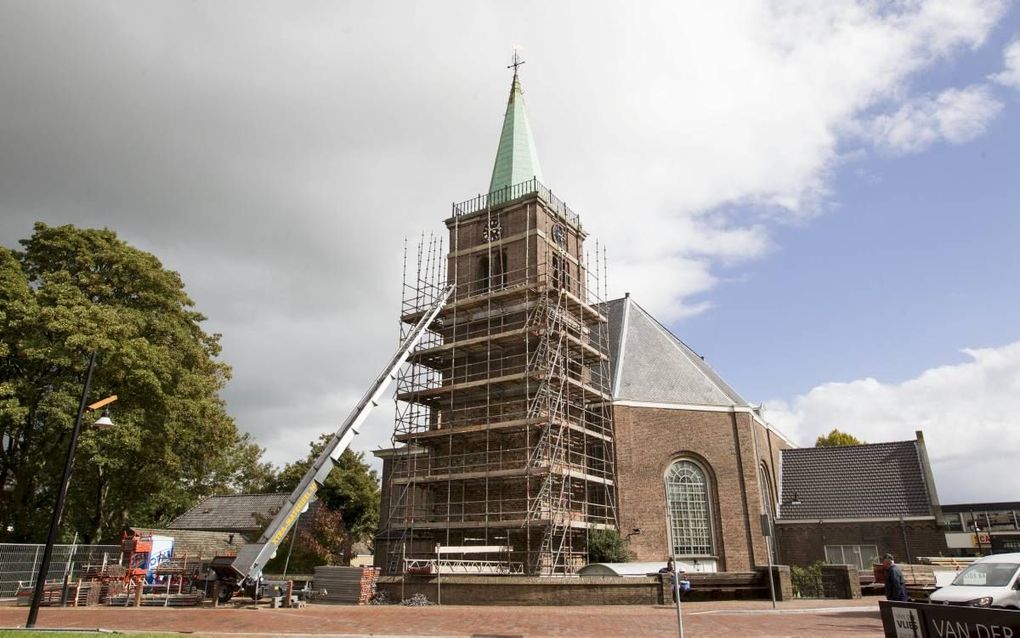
[108, 577]
[129, 599]
[57, 594]
[346, 585]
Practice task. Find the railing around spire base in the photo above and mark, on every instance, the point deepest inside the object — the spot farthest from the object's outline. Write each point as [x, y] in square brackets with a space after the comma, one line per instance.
[508, 194]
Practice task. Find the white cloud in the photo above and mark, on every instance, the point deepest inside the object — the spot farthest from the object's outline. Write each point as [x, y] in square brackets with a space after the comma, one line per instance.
[738, 107]
[1010, 75]
[954, 115]
[967, 411]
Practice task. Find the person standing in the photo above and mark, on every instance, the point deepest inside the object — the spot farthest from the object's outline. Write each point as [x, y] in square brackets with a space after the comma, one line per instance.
[669, 569]
[895, 587]
[675, 585]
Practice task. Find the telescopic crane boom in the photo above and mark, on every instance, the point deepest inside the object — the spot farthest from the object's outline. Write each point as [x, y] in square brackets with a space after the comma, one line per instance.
[246, 568]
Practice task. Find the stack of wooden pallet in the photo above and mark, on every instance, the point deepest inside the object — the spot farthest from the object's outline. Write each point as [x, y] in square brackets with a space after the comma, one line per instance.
[78, 594]
[347, 585]
[108, 577]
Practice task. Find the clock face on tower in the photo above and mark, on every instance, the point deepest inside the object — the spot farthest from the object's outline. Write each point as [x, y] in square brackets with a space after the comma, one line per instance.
[491, 231]
[559, 235]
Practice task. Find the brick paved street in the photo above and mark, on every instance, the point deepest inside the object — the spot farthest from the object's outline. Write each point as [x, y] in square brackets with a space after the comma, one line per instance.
[729, 618]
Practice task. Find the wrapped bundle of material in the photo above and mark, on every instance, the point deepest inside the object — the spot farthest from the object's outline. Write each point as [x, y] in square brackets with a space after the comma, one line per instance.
[345, 585]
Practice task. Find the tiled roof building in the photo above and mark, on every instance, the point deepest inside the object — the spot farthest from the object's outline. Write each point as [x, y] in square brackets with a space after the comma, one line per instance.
[198, 544]
[244, 514]
[878, 480]
[856, 503]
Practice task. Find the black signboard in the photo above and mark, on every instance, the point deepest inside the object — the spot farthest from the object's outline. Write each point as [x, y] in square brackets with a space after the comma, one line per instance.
[927, 620]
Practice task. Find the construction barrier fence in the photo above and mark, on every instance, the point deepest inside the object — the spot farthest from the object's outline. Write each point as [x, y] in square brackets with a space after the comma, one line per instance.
[19, 562]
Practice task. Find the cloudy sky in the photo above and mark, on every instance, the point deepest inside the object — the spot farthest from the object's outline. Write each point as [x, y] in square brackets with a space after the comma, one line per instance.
[821, 198]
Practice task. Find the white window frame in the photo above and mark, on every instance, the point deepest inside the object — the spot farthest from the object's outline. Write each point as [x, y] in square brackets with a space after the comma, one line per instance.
[858, 554]
[698, 542]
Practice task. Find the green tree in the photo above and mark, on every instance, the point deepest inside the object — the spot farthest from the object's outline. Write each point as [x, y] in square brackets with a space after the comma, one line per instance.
[807, 580]
[70, 291]
[322, 539]
[352, 489]
[606, 546]
[837, 439]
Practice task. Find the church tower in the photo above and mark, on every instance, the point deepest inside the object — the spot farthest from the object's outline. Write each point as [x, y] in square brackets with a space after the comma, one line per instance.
[503, 444]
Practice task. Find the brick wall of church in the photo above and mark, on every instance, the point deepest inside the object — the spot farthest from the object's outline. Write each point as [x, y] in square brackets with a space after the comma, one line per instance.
[648, 440]
[804, 543]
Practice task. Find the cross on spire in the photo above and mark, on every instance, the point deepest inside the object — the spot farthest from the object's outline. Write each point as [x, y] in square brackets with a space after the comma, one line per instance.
[516, 63]
[516, 160]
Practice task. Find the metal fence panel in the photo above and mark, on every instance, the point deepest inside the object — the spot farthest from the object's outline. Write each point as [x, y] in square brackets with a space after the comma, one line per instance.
[19, 562]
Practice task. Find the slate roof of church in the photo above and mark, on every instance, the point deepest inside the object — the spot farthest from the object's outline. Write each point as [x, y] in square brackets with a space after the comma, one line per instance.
[231, 513]
[650, 364]
[877, 480]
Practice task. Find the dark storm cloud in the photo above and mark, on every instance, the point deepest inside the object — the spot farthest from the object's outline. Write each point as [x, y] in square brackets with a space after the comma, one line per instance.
[276, 158]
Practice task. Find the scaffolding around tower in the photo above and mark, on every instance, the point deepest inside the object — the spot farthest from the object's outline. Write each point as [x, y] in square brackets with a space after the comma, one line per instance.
[503, 434]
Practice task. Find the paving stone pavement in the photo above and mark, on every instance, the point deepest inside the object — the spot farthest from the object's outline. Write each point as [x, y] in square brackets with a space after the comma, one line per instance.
[724, 618]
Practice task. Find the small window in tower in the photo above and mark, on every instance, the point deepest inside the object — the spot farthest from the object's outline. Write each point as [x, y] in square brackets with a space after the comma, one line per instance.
[499, 270]
[492, 271]
[483, 273]
[559, 272]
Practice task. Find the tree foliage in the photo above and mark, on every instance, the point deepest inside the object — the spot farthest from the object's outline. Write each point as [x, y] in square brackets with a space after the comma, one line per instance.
[837, 439]
[606, 546]
[322, 539]
[352, 489]
[70, 291]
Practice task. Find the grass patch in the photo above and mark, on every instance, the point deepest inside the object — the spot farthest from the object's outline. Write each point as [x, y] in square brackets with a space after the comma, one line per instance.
[22, 633]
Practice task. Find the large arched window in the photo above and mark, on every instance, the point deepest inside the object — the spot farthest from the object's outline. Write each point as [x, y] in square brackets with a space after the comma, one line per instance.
[687, 504]
[770, 510]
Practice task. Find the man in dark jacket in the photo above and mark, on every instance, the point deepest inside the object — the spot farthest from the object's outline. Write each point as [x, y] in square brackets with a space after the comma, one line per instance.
[895, 588]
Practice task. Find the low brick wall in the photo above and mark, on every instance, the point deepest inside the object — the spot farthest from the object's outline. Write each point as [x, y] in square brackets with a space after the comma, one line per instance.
[573, 590]
[526, 590]
[841, 581]
[783, 581]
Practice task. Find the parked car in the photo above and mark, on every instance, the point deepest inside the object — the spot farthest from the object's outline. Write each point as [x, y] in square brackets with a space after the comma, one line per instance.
[992, 581]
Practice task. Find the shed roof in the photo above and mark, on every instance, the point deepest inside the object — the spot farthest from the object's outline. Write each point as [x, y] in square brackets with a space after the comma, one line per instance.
[877, 480]
[199, 544]
[242, 513]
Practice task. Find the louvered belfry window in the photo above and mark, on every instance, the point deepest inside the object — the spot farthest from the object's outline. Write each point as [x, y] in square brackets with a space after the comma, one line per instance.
[690, 521]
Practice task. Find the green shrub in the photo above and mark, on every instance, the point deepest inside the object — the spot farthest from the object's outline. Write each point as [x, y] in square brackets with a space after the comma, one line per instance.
[606, 546]
[807, 581]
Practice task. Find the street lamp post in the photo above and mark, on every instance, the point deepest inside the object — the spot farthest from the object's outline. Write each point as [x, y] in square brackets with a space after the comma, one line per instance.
[44, 567]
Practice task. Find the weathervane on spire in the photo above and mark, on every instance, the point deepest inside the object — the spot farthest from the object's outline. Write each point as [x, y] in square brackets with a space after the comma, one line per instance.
[516, 63]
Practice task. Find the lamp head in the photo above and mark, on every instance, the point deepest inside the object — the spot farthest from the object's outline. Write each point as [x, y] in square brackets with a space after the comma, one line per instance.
[104, 421]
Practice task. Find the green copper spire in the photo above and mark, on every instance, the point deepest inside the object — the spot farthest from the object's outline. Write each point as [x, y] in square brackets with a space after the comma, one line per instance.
[516, 159]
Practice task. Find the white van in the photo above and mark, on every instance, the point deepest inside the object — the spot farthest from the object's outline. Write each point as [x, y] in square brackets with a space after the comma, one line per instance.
[992, 581]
